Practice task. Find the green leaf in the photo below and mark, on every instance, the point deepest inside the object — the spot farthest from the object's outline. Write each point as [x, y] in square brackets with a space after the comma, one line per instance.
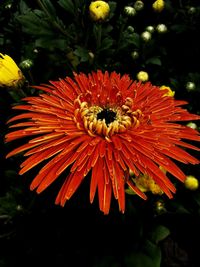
[135, 39]
[49, 7]
[51, 44]
[23, 7]
[128, 39]
[153, 252]
[106, 44]
[112, 6]
[179, 208]
[196, 197]
[159, 233]
[82, 53]
[154, 61]
[34, 22]
[1, 40]
[148, 256]
[67, 5]
[179, 28]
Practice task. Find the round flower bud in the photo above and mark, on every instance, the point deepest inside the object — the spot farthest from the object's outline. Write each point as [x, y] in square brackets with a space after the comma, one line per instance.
[99, 10]
[191, 182]
[190, 86]
[91, 57]
[192, 10]
[26, 64]
[35, 51]
[139, 5]
[158, 5]
[19, 208]
[142, 76]
[129, 11]
[192, 125]
[161, 28]
[130, 29]
[160, 207]
[10, 74]
[134, 54]
[8, 6]
[150, 29]
[146, 36]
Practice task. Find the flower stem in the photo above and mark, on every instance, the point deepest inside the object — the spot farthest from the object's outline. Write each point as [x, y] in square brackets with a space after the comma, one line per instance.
[99, 36]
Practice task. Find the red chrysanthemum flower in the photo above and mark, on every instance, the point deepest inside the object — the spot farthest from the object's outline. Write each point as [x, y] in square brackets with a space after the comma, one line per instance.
[107, 124]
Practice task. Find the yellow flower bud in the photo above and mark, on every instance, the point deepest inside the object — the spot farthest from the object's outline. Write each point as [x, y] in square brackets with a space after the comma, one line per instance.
[10, 74]
[142, 76]
[191, 182]
[169, 91]
[99, 10]
[158, 5]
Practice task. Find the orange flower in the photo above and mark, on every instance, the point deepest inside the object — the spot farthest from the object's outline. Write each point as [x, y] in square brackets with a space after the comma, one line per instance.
[107, 124]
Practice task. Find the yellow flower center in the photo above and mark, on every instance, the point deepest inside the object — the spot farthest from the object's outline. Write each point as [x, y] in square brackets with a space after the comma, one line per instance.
[106, 121]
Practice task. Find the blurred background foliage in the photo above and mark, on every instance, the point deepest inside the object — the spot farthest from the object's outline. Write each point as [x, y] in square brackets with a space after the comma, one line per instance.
[52, 39]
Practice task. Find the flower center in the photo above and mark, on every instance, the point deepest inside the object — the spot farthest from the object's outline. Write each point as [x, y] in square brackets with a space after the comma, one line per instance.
[106, 114]
[106, 121]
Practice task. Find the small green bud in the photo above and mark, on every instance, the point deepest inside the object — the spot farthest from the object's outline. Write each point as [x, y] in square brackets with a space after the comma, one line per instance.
[135, 55]
[190, 86]
[130, 29]
[129, 11]
[146, 36]
[150, 29]
[8, 6]
[26, 64]
[161, 28]
[160, 207]
[192, 125]
[192, 10]
[139, 5]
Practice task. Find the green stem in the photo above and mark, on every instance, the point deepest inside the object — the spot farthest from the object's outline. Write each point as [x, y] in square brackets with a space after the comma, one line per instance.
[99, 36]
[31, 77]
[180, 3]
[121, 30]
